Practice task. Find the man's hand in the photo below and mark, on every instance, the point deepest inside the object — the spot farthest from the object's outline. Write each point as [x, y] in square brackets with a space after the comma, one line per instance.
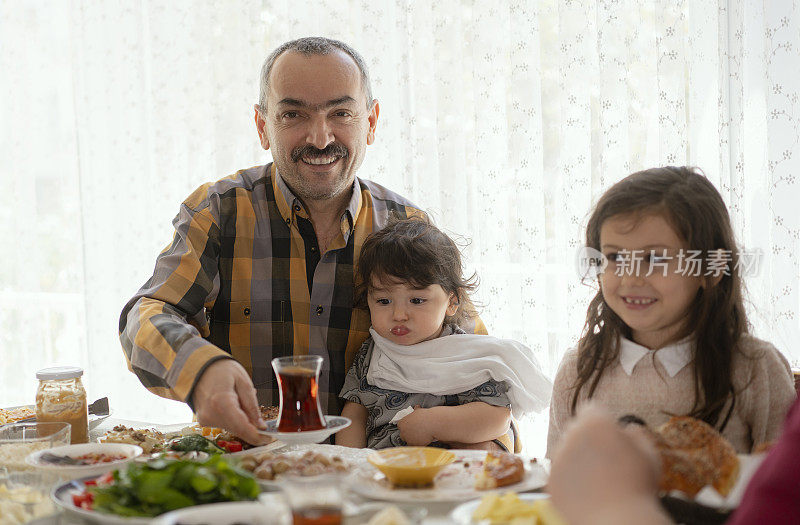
[604, 474]
[224, 397]
[416, 429]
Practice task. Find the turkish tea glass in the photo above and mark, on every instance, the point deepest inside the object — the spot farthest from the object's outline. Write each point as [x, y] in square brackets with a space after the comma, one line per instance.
[314, 500]
[298, 378]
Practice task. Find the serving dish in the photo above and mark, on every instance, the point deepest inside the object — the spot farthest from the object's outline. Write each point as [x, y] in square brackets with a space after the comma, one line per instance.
[455, 482]
[411, 466]
[62, 496]
[25, 496]
[233, 513]
[462, 514]
[127, 453]
[152, 490]
[155, 439]
[17, 440]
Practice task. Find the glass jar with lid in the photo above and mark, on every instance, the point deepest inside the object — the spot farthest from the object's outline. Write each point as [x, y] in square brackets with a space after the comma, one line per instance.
[61, 397]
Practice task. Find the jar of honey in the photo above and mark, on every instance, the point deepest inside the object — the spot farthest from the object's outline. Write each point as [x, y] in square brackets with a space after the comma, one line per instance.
[61, 397]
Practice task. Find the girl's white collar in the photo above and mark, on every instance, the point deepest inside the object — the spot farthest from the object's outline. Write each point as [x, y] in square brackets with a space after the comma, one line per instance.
[673, 357]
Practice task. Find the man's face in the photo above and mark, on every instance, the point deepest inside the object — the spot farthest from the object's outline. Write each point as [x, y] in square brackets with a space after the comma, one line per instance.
[317, 123]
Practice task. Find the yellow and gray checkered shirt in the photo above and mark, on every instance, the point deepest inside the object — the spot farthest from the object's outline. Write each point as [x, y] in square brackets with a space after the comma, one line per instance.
[243, 278]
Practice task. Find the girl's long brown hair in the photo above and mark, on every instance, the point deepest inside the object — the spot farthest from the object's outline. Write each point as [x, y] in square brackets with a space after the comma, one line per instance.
[716, 318]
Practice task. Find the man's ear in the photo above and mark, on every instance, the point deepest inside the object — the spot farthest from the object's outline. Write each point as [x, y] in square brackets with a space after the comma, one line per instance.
[452, 308]
[373, 121]
[261, 126]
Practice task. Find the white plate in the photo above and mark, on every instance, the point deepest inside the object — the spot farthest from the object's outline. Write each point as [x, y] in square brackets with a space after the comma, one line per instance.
[269, 447]
[456, 482]
[62, 496]
[355, 457]
[231, 513]
[333, 424]
[82, 471]
[234, 511]
[175, 430]
[463, 513]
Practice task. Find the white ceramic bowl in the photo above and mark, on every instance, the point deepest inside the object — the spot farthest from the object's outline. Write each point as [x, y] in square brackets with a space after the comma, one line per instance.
[231, 513]
[82, 471]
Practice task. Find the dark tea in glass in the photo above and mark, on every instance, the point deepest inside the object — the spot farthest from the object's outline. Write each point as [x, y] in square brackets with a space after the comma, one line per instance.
[314, 500]
[299, 402]
[317, 515]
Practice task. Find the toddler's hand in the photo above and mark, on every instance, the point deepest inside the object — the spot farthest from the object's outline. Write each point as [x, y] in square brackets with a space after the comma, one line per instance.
[415, 428]
[490, 445]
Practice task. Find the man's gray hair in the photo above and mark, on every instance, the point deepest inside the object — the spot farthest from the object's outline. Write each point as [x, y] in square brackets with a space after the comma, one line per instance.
[313, 45]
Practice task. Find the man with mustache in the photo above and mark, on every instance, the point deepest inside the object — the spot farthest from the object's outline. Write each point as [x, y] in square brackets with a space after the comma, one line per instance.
[261, 264]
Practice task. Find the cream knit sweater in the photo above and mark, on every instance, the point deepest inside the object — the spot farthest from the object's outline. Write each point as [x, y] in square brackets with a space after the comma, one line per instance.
[762, 380]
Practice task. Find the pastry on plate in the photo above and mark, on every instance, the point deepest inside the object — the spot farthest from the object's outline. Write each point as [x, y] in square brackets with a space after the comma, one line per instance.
[693, 455]
[500, 469]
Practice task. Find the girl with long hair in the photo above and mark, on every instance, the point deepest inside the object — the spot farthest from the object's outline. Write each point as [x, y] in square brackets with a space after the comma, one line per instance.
[667, 334]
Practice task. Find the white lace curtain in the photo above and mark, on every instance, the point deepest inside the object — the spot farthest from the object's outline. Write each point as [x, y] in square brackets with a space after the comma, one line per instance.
[505, 119]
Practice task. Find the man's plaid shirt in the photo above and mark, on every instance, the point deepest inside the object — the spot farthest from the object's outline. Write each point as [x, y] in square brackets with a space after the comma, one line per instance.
[243, 277]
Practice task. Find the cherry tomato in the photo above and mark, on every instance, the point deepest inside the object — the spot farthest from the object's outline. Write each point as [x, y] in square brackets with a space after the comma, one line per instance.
[84, 500]
[230, 446]
[105, 479]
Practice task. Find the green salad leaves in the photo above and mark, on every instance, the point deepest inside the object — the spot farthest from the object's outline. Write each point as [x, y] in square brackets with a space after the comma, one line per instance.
[196, 442]
[162, 485]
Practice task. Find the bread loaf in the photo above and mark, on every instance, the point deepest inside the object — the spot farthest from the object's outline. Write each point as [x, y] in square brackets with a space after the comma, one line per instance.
[693, 455]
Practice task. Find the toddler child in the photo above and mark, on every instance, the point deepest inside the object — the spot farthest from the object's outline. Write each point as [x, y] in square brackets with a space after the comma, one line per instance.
[419, 379]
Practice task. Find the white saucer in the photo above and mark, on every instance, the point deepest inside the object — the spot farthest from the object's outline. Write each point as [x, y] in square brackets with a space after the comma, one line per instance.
[333, 424]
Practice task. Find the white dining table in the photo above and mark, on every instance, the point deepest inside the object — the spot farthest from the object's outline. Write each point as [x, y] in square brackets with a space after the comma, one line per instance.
[436, 513]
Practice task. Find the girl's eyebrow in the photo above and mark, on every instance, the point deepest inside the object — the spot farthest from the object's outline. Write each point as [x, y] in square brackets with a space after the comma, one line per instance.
[648, 247]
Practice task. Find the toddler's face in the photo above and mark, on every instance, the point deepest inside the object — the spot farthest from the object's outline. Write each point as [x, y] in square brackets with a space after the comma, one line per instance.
[654, 306]
[406, 315]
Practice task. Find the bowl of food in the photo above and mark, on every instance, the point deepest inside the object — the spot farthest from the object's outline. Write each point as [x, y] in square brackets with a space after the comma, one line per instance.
[141, 491]
[191, 455]
[411, 466]
[25, 496]
[17, 440]
[83, 460]
[230, 513]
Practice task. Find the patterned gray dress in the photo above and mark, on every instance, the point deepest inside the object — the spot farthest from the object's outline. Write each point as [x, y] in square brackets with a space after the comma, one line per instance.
[382, 404]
